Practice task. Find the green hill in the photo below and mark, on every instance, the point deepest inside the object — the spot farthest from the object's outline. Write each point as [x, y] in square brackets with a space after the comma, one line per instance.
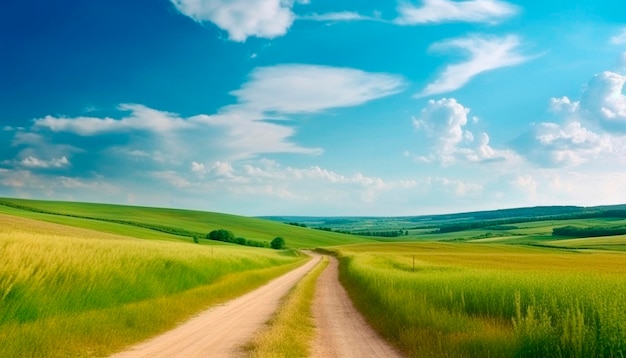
[169, 224]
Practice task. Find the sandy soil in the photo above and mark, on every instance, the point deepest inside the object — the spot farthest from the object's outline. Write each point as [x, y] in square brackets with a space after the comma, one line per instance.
[341, 330]
[222, 330]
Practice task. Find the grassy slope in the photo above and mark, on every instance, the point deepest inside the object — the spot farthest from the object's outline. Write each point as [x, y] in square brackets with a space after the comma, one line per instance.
[194, 221]
[67, 291]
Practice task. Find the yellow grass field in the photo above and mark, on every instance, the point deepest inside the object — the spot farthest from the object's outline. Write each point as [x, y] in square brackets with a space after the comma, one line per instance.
[73, 292]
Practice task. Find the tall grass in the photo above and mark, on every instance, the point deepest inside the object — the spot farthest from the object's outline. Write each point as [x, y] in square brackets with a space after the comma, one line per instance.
[66, 291]
[453, 304]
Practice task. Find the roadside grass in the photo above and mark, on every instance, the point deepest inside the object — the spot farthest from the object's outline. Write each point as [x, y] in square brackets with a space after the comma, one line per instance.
[72, 292]
[480, 300]
[290, 331]
[128, 220]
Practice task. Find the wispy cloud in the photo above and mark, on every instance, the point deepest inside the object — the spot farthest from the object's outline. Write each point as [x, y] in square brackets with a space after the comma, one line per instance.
[486, 54]
[438, 11]
[338, 16]
[299, 88]
[141, 118]
[142, 139]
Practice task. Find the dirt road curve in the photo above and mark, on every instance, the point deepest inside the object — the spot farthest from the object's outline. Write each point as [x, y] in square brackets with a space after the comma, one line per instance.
[222, 330]
[341, 330]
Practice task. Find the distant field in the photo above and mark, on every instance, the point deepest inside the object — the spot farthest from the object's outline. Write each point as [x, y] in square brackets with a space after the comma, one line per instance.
[186, 222]
[613, 243]
[463, 299]
[68, 291]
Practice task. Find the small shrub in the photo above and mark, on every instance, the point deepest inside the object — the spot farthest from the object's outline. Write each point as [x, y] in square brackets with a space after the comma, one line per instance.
[278, 243]
[221, 235]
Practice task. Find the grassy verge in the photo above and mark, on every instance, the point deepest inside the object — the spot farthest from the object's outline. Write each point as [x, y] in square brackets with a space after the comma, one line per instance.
[72, 292]
[463, 300]
[291, 330]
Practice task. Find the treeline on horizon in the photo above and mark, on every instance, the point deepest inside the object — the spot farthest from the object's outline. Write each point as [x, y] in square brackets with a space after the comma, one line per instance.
[495, 224]
[593, 231]
[387, 233]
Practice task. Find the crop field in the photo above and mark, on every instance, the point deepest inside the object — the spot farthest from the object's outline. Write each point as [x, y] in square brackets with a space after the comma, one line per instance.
[97, 292]
[464, 299]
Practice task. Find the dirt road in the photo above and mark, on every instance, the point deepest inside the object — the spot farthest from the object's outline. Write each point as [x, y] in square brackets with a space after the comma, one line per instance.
[222, 330]
[341, 330]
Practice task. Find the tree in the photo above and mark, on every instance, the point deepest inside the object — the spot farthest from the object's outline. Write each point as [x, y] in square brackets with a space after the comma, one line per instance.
[221, 235]
[278, 243]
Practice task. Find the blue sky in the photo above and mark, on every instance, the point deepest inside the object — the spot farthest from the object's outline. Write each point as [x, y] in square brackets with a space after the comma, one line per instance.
[314, 107]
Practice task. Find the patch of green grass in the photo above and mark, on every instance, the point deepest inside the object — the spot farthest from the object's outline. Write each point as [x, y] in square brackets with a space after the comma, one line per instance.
[291, 330]
[72, 292]
[479, 300]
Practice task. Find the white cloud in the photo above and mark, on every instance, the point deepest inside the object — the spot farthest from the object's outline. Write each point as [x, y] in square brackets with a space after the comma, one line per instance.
[198, 167]
[444, 121]
[222, 169]
[299, 88]
[266, 181]
[619, 39]
[242, 18]
[33, 162]
[438, 11]
[554, 145]
[564, 105]
[593, 129]
[603, 100]
[337, 16]
[143, 140]
[140, 118]
[486, 54]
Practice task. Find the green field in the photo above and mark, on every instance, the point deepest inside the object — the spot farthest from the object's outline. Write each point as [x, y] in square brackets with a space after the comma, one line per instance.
[100, 277]
[480, 300]
[98, 292]
[143, 222]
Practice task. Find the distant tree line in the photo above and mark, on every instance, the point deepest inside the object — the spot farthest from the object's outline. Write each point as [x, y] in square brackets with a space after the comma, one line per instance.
[591, 231]
[503, 222]
[224, 235]
[392, 233]
[334, 230]
[296, 224]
